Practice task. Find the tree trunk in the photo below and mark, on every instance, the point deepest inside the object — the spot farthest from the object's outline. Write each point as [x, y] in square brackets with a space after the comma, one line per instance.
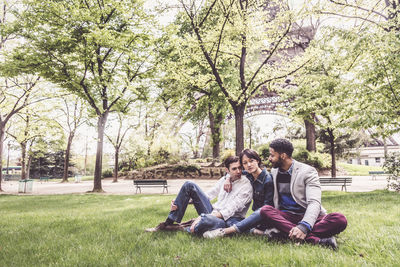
[196, 149]
[116, 165]
[239, 117]
[86, 156]
[23, 161]
[206, 143]
[99, 153]
[250, 137]
[385, 149]
[332, 152]
[310, 134]
[2, 130]
[215, 126]
[28, 167]
[66, 159]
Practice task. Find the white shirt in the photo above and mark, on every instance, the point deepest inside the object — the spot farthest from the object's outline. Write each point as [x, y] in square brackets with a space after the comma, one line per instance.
[235, 203]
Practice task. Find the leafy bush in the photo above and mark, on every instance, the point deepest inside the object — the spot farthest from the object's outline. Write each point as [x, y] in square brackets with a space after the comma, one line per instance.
[392, 167]
[200, 160]
[107, 173]
[315, 159]
[187, 168]
[161, 156]
[263, 151]
[226, 153]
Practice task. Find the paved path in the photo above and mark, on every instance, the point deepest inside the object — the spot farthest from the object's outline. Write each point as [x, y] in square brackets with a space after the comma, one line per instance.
[125, 187]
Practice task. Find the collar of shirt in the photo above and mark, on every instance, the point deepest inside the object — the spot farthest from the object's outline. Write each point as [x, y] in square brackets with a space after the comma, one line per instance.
[289, 171]
[260, 179]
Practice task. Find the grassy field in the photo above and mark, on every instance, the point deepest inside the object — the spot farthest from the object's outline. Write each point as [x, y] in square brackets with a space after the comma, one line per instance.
[107, 230]
[358, 170]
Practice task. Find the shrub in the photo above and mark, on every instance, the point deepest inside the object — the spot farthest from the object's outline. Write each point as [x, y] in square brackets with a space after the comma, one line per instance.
[199, 160]
[315, 159]
[140, 163]
[263, 151]
[392, 167]
[161, 156]
[107, 173]
[174, 158]
[226, 153]
[187, 168]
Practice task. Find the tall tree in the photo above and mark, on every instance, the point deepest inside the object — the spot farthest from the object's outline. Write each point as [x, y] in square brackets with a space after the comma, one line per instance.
[324, 89]
[376, 38]
[98, 50]
[14, 89]
[29, 127]
[187, 84]
[14, 97]
[71, 119]
[118, 139]
[242, 43]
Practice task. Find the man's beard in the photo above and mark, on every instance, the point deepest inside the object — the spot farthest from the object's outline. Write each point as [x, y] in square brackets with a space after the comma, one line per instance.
[277, 164]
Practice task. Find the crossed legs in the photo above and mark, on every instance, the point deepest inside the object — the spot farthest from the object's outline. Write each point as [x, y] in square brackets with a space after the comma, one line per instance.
[325, 226]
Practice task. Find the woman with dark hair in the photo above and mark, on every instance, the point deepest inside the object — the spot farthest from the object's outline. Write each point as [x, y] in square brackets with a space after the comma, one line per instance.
[263, 192]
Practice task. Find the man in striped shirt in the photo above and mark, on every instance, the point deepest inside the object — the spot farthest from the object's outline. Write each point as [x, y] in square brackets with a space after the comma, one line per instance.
[297, 211]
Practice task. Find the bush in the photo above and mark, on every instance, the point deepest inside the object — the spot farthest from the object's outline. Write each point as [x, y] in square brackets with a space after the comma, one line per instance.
[392, 167]
[107, 173]
[263, 151]
[226, 153]
[187, 168]
[200, 160]
[315, 159]
[161, 156]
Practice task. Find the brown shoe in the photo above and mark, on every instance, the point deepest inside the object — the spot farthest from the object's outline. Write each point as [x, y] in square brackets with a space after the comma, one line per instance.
[159, 227]
[163, 227]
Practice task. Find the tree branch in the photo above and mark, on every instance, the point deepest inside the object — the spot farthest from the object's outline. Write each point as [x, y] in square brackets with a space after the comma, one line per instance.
[269, 56]
[278, 77]
[360, 8]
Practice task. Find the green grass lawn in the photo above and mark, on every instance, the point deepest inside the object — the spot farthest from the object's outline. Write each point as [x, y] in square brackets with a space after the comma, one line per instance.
[358, 170]
[107, 230]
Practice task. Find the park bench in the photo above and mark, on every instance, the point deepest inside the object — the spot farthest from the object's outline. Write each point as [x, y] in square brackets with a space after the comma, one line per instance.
[44, 179]
[150, 183]
[375, 173]
[338, 181]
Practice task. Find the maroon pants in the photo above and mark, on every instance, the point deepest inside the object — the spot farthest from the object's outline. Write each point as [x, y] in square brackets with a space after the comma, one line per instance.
[325, 226]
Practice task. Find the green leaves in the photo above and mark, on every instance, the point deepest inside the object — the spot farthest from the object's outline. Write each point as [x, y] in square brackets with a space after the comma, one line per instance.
[96, 50]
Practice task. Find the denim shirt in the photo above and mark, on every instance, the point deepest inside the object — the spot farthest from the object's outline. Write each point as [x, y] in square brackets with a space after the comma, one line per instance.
[263, 189]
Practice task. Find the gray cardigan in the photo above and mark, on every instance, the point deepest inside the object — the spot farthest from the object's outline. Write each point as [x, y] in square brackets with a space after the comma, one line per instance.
[305, 189]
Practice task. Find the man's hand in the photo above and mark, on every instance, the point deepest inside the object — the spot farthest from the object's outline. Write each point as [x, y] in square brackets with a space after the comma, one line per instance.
[173, 206]
[194, 223]
[216, 214]
[228, 185]
[296, 234]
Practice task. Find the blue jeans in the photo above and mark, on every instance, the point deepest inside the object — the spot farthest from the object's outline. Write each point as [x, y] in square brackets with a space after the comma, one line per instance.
[209, 222]
[203, 206]
[253, 221]
[188, 191]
